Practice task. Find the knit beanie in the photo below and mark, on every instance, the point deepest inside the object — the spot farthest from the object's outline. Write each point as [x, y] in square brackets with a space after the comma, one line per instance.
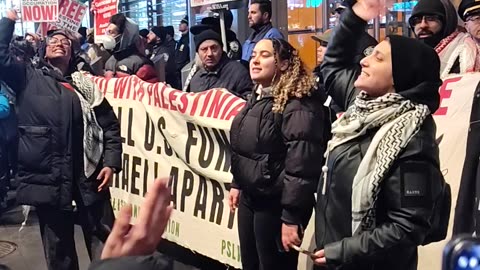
[428, 7]
[207, 35]
[160, 32]
[416, 71]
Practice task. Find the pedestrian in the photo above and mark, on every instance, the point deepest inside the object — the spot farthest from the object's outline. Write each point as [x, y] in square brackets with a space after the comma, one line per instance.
[277, 143]
[381, 182]
[69, 145]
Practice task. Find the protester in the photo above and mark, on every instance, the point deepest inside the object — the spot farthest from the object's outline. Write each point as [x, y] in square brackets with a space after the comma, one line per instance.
[381, 178]
[215, 69]
[126, 59]
[69, 145]
[467, 216]
[277, 142]
[234, 47]
[163, 50]
[435, 23]
[182, 52]
[130, 247]
[260, 20]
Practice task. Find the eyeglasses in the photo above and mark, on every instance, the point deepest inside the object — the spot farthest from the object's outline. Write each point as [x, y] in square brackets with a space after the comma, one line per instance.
[55, 41]
[475, 19]
[427, 18]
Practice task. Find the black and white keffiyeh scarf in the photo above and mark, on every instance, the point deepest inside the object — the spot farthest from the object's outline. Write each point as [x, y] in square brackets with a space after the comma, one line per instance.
[398, 120]
[90, 97]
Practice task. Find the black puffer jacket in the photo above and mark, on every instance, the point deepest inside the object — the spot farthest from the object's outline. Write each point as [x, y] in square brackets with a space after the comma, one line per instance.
[280, 155]
[402, 219]
[50, 151]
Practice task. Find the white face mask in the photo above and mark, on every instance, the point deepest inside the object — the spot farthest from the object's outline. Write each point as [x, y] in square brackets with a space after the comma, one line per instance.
[107, 41]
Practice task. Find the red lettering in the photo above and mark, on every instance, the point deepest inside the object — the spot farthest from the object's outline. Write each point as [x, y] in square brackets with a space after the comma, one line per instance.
[156, 97]
[195, 103]
[173, 97]
[150, 93]
[162, 93]
[233, 112]
[217, 104]
[206, 103]
[48, 12]
[445, 93]
[184, 102]
[229, 105]
[141, 91]
[37, 13]
[27, 13]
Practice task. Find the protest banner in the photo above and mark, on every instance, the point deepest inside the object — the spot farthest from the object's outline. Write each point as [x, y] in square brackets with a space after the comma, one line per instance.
[39, 10]
[103, 10]
[70, 17]
[167, 132]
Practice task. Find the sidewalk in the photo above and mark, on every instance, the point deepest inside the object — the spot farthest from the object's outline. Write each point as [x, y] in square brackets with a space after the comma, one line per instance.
[29, 252]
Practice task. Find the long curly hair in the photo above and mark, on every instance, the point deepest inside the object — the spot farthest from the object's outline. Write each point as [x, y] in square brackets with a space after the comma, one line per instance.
[295, 82]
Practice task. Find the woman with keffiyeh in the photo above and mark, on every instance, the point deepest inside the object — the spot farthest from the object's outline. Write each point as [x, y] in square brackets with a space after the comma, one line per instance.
[69, 145]
[381, 178]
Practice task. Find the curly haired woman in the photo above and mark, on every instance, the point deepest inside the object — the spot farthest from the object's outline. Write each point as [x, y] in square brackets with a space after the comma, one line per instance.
[277, 142]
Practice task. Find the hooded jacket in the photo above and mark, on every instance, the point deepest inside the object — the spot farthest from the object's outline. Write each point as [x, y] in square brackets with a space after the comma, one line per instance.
[402, 220]
[127, 60]
[442, 8]
[50, 125]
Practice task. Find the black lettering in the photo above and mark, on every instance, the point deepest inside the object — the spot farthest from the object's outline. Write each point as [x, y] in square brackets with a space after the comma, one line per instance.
[136, 161]
[130, 141]
[145, 178]
[173, 184]
[202, 161]
[217, 202]
[149, 134]
[161, 126]
[190, 141]
[155, 170]
[119, 117]
[125, 170]
[201, 201]
[224, 152]
[187, 188]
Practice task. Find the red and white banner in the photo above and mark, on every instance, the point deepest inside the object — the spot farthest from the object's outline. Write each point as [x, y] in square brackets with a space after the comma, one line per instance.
[39, 10]
[167, 132]
[70, 17]
[103, 10]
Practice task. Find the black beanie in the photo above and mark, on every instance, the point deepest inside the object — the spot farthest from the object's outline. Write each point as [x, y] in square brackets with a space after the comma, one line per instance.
[416, 71]
[160, 32]
[428, 7]
[207, 35]
[170, 30]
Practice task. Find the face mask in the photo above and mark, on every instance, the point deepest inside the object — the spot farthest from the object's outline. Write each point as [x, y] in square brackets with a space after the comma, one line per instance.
[108, 42]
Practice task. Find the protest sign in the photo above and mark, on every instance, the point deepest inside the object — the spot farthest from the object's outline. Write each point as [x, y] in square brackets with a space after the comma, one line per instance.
[70, 17]
[103, 10]
[39, 10]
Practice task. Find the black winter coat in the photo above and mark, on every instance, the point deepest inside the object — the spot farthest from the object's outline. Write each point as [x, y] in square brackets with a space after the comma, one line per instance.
[229, 74]
[280, 155]
[166, 51]
[402, 219]
[467, 213]
[50, 123]
[182, 52]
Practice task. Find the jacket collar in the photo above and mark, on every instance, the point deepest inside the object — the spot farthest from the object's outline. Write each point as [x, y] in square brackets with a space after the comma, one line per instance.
[259, 33]
[218, 69]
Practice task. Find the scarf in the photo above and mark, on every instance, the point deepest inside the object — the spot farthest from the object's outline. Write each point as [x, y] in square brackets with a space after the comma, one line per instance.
[90, 97]
[458, 46]
[398, 120]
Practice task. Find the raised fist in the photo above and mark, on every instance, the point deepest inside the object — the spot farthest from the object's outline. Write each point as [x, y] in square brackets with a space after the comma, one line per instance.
[12, 14]
[370, 9]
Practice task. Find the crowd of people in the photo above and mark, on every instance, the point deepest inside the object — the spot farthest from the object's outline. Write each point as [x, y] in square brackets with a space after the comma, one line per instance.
[375, 170]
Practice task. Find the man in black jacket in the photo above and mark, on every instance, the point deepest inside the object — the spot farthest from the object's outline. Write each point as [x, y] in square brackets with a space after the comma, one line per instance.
[69, 145]
[163, 51]
[215, 69]
[182, 52]
[433, 20]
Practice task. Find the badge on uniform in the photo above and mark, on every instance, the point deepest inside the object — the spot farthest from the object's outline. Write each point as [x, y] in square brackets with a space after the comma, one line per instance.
[234, 46]
[181, 47]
